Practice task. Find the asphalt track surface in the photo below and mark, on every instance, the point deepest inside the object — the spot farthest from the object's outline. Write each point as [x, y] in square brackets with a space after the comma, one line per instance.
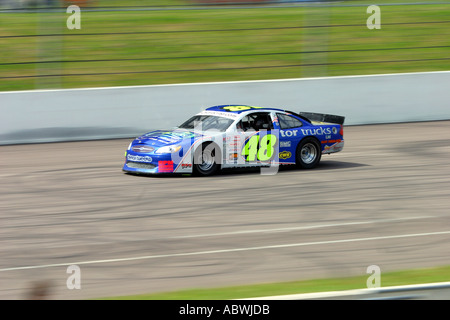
[384, 200]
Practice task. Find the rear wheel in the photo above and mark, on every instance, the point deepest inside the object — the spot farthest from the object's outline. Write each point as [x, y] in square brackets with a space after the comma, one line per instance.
[205, 160]
[308, 153]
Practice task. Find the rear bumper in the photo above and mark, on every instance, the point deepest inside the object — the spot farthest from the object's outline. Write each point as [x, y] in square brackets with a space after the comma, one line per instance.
[336, 147]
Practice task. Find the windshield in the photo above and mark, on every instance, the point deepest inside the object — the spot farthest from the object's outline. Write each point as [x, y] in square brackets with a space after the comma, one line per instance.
[203, 123]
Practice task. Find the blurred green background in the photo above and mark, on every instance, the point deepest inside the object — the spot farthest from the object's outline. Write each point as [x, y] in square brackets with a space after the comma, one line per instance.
[178, 41]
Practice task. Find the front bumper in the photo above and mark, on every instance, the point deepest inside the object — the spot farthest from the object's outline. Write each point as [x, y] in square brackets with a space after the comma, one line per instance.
[153, 164]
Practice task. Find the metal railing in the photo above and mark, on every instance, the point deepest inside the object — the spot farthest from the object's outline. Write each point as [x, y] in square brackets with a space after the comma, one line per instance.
[142, 48]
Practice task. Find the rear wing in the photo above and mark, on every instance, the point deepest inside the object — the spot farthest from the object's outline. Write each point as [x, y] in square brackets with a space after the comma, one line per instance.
[321, 117]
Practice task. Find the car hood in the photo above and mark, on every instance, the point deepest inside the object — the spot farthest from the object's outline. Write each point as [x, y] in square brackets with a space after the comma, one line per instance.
[161, 138]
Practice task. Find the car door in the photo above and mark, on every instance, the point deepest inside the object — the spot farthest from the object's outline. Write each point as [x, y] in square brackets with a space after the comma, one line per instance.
[290, 134]
[255, 139]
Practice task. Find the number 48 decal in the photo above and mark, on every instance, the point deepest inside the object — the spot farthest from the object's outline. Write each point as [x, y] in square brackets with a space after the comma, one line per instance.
[262, 150]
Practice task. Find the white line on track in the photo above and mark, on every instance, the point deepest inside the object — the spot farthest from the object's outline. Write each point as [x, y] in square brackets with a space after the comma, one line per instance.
[185, 254]
[275, 230]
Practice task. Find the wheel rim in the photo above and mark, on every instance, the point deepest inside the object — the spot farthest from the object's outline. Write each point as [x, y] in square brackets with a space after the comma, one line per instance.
[308, 153]
[207, 161]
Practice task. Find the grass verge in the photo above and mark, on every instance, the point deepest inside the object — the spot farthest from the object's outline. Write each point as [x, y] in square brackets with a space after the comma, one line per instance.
[397, 278]
[179, 46]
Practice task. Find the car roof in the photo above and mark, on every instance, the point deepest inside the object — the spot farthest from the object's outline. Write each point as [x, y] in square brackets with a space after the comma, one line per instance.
[236, 109]
[239, 108]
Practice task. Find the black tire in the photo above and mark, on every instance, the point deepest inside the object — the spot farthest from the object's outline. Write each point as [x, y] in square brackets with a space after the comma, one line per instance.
[308, 153]
[205, 160]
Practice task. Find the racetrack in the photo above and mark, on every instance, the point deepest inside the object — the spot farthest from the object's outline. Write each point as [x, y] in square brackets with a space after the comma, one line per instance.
[384, 200]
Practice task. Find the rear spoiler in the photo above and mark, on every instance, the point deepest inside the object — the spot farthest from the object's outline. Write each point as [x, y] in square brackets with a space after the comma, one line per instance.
[321, 117]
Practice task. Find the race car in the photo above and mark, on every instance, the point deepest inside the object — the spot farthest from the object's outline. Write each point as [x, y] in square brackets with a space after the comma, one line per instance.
[237, 136]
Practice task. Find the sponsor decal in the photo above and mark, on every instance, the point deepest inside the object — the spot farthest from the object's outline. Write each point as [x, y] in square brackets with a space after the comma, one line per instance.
[133, 158]
[223, 114]
[170, 137]
[285, 155]
[167, 139]
[165, 166]
[285, 144]
[186, 165]
[316, 131]
[336, 147]
[289, 133]
[239, 108]
[310, 132]
[331, 141]
[233, 141]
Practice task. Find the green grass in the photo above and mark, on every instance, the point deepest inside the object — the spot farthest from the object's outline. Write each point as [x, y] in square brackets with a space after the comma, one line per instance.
[174, 51]
[416, 276]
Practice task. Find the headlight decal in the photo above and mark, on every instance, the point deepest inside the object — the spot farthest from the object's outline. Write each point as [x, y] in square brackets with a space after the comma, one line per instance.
[168, 149]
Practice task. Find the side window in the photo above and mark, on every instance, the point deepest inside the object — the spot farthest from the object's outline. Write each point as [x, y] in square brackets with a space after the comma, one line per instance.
[255, 121]
[288, 122]
[244, 124]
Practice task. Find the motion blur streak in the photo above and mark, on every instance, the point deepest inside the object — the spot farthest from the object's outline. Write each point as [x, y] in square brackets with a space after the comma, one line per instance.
[216, 43]
[68, 202]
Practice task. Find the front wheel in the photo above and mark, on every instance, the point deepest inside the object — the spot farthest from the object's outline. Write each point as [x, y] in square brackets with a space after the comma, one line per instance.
[308, 153]
[205, 163]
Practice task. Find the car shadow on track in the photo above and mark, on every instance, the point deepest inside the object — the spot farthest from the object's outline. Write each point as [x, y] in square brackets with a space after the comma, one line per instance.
[333, 165]
[324, 165]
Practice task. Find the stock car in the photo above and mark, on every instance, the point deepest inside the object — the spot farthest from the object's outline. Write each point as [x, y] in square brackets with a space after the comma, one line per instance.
[236, 136]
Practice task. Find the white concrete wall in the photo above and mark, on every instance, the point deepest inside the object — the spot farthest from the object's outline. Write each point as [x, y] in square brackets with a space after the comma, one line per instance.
[102, 113]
